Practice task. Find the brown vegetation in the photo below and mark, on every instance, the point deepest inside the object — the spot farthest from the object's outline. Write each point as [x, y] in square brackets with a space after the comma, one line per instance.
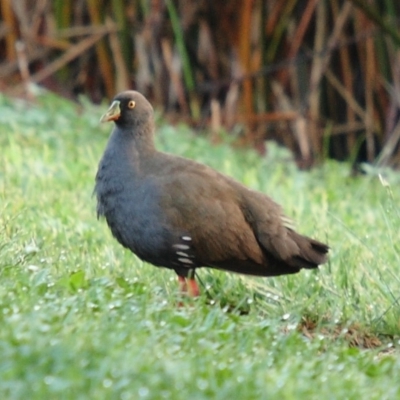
[321, 77]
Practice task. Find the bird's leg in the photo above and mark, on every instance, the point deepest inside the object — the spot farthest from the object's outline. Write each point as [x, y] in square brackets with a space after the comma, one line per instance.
[193, 288]
[182, 284]
[189, 285]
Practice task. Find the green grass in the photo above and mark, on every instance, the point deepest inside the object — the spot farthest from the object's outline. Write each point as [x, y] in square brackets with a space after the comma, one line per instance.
[81, 318]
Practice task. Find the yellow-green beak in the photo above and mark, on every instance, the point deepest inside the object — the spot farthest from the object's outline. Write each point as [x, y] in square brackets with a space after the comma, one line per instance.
[113, 113]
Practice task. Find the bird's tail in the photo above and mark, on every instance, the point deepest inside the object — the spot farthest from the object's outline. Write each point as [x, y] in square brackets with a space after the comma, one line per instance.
[311, 252]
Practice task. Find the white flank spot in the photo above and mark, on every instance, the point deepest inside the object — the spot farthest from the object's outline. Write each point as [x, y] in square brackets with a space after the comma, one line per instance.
[181, 246]
[185, 260]
[288, 223]
[187, 238]
[181, 253]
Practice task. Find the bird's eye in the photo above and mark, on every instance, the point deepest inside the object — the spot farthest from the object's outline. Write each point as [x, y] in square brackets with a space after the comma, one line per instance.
[131, 104]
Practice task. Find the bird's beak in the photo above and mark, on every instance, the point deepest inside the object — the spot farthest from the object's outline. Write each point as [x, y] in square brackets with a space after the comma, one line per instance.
[113, 113]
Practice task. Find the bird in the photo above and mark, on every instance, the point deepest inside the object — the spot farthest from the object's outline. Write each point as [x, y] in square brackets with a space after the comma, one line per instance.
[180, 214]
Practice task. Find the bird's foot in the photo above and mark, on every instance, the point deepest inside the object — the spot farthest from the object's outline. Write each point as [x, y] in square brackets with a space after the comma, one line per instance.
[188, 286]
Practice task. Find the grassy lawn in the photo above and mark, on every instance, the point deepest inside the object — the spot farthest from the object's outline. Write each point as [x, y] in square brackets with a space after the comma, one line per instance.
[82, 318]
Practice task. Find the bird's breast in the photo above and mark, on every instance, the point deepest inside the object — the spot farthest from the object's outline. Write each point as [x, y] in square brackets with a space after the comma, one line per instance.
[132, 211]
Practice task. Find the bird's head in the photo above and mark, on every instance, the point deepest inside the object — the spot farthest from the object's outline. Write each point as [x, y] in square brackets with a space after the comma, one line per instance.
[129, 109]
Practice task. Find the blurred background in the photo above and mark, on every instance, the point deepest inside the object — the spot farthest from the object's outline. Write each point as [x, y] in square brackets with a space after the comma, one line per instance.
[321, 77]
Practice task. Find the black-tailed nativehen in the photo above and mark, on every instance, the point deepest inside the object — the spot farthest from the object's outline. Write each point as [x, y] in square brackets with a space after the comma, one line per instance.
[177, 213]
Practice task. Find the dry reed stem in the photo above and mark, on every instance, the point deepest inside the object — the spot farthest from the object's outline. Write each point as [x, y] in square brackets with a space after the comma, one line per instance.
[370, 74]
[317, 69]
[389, 148]
[331, 44]
[121, 72]
[104, 59]
[23, 67]
[347, 76]
[346, 94]
[74, 31]
[298, 124]
[174, 75]
[74, 52]
[10, 68]
[245, 56]
[302, 27]
[11, 35]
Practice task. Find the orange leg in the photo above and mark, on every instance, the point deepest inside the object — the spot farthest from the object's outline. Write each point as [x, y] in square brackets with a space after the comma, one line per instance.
[194, 290]
[182, 284]
[188, 286]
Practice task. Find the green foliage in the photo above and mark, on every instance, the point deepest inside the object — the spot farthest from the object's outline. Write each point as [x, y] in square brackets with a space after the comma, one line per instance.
[82, 318]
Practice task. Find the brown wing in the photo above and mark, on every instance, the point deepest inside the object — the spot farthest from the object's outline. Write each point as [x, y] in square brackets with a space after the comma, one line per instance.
[279, 240]
[232, 227]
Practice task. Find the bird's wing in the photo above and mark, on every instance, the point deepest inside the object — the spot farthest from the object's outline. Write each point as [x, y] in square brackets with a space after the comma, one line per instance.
[202, 203]
[276, 234]
[231, 226]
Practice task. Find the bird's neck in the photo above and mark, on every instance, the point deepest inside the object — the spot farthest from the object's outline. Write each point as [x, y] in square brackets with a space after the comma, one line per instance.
[139, 140]
[131, 150]
[143, 144]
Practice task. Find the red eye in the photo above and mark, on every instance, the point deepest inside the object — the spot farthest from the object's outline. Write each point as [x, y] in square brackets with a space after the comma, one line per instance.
[131, 104]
